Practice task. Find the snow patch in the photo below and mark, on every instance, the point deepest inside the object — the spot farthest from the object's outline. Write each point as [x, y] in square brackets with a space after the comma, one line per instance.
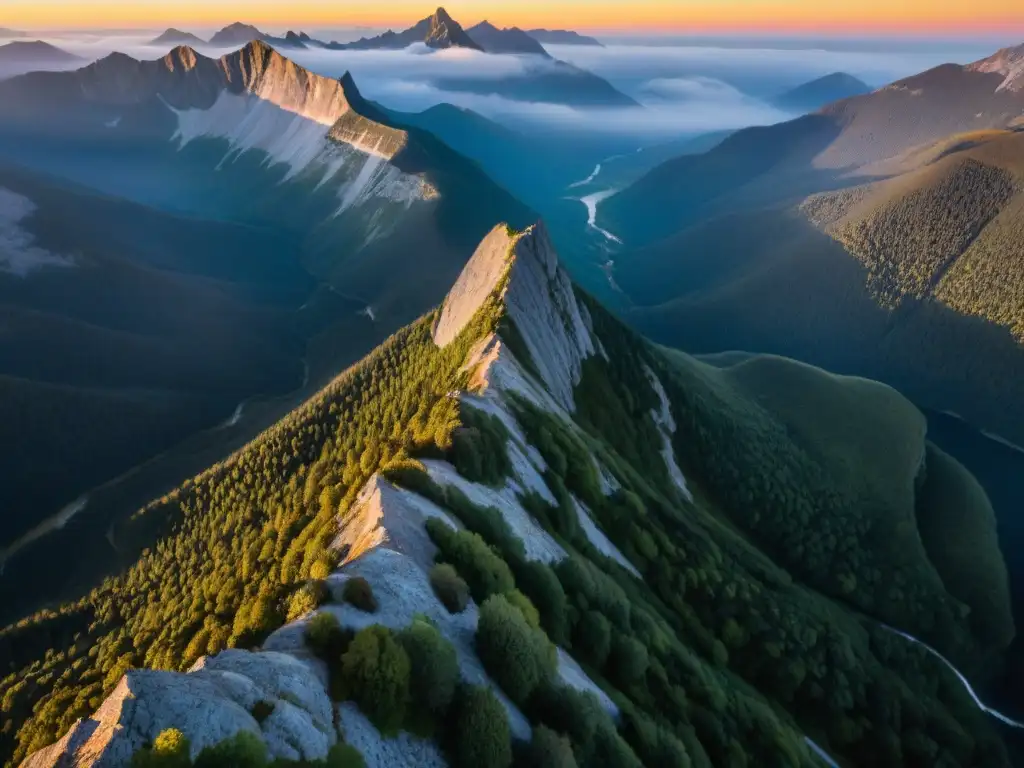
[667, 427]
[19, 256]
[601, 543]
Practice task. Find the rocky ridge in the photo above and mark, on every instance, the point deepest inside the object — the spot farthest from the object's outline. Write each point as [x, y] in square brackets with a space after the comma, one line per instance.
[382, 540]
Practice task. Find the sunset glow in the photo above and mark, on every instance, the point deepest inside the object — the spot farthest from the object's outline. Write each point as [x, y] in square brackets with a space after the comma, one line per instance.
[866, 16]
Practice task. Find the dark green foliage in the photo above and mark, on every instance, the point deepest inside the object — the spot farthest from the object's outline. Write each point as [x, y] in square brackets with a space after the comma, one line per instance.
[450, 588]
[538, 582]
[629, 660]
[358, 592]
[653, 743]
[261, 710]
[326, 637]
[517, 656]
[488, 522]
[574, 713]
[434, 667]
[482, 737]
[344, 756]
[376, 672]
[484, 571]
[549, 750]
[611, 751]
[243, 750]
[170, 750]
[593, 636]
[518, 600]
[479, 447]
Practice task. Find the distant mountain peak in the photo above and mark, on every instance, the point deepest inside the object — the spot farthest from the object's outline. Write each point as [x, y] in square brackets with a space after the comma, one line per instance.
[508, 40]
[236, 33]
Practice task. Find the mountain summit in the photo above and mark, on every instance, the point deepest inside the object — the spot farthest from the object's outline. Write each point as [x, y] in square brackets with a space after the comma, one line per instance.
[1008, 62]
[236, 34]
[438, 30]
[508, 40]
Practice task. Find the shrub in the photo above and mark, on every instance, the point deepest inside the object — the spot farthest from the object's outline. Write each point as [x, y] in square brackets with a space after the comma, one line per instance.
[549, 750]
[326, 637]
[482, 736]
[611, 751]
[540, 584]
[344, 756]
[375, 672]
[243, 750]
[480, 447]
[169, 750]
[522, 602]
[450, 588]
[629, 660]
[594, 636]
[515, 654]
[486, 521]
[434, 667]
[358, 592]
[654, 744]
[306, 598]
[574, 713]
[484, 571]
[261, 710]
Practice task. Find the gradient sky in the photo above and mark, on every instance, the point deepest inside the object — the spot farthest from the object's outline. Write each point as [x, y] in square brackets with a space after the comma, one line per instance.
[812, 16]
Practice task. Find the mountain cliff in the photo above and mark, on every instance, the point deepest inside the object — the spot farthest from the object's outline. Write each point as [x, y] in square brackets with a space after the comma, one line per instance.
[518, 528]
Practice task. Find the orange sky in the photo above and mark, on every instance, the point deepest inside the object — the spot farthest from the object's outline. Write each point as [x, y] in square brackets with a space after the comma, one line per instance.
[953, 16]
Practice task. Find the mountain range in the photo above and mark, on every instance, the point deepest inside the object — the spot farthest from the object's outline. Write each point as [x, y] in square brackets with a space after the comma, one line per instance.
[253, 155]
[517, 527]
[789, 222]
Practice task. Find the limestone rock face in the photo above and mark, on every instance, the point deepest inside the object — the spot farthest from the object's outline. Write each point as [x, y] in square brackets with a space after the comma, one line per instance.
[209, 704]
[538, 298]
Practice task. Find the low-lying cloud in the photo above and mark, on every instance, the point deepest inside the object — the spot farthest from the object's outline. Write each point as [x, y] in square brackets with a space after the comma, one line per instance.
[685, 89]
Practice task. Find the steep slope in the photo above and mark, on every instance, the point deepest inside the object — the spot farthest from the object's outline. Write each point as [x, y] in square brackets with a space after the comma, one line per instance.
[613, 517]
[562, 37]
[173, 37]
[821, 151]
[506, 40]
[299, 225]
[817, 93]
[291, 149]
[438, 30]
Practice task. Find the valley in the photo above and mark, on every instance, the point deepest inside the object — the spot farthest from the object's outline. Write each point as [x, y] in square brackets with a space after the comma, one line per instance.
[347, 425]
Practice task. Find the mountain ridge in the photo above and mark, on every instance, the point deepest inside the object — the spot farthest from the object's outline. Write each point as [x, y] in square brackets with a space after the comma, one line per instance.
[523, 437]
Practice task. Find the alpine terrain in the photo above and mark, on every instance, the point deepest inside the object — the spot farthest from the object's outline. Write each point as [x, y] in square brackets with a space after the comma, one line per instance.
[519, 533]
[278, 206]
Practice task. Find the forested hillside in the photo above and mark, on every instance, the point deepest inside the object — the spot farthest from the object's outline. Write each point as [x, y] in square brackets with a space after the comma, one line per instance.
[641, 559]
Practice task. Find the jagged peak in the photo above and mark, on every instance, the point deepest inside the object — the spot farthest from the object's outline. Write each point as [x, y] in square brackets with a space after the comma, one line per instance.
[442, 15]
[182, 55]
[538, 297]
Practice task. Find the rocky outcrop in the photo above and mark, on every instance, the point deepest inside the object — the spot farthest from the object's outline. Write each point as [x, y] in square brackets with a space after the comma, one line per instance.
[538, 299]
[209, 704]
[1008, 62]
